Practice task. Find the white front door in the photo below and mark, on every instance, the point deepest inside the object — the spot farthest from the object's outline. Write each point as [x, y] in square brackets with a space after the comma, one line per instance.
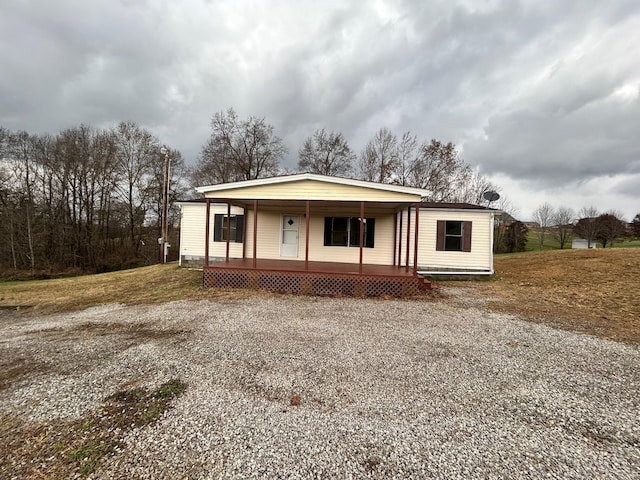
[290, 236]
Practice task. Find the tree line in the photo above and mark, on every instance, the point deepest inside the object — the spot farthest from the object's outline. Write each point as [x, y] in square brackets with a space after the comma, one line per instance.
[246, 149]
[91, 199]
[86, 199]
[564, 224]
[588, 223]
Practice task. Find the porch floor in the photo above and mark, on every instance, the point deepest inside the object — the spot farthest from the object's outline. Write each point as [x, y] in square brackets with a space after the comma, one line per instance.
[321, 278]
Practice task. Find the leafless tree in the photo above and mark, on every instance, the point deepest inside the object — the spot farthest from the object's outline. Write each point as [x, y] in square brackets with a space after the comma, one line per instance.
[379, 158]
[610, 227]
[239, 149]
[73, 199]
[326, 153]
[440, 170]
[407, 158]
[587, 227]
[635, 226]
[543, 216]
[563, 219]
[136, 151]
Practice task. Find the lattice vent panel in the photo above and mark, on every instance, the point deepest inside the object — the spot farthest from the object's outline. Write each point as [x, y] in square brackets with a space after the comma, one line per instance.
[309, 283]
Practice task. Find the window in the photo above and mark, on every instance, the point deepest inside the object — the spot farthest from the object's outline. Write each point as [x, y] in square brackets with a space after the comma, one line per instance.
[453, 236]
[223, 223]
[345, 232]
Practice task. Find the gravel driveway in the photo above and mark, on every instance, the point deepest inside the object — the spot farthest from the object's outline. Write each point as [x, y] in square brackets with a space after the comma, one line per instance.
[387, 389]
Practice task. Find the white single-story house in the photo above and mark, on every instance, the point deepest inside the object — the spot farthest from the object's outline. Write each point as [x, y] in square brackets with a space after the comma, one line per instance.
[320, 234]
[581, 243]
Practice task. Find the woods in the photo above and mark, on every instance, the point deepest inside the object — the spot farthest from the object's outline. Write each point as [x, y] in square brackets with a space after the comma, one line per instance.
[85, 199]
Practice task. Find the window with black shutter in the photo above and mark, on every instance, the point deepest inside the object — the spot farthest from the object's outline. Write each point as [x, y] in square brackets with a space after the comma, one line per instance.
[223, 224]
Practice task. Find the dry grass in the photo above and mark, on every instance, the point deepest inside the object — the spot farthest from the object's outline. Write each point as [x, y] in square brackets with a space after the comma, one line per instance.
[590, 291]
[154, 284]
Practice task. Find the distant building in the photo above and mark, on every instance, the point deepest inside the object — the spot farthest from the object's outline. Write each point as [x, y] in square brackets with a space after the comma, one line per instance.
[582, 243]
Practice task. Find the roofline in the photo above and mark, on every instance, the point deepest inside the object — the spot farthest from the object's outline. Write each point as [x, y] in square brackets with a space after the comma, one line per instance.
[311, 176]
[462, 210]
[457, 206]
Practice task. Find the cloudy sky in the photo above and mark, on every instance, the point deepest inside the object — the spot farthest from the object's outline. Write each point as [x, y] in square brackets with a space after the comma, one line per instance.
[543, 97]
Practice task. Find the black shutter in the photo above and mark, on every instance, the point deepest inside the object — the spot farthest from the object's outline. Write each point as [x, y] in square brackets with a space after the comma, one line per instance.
[371, 232]
[440, 235]
[239, 228]
[328, 225]
[217, 227]
[466, 236]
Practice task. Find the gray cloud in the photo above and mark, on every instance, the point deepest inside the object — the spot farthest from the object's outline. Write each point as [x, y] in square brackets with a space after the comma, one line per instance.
[541, 95]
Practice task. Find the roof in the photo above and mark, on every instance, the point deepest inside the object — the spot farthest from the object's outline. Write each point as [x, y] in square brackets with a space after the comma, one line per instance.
[283, 179]
[455, 206]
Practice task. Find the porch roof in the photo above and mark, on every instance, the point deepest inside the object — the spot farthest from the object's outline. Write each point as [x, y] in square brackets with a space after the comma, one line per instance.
[307, 186]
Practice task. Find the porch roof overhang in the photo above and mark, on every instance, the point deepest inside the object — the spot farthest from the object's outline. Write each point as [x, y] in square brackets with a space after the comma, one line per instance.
[291, 189]
[336, 206]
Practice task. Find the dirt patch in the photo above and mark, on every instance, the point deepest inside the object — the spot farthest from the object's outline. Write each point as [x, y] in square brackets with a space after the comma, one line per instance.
[13, 370]
[63, 449]
[590, 291]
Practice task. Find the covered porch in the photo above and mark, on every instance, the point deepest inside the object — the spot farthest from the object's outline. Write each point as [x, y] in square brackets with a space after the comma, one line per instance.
[316, 235]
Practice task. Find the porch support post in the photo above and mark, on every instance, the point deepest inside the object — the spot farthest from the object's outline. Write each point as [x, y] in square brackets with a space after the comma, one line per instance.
[228, 230]
[400, 241]
[306, 238]
[244, 233]
[406, 263]
[415, 242]
[361, 234]
[206, 234]
[395, 235]
[255, 232]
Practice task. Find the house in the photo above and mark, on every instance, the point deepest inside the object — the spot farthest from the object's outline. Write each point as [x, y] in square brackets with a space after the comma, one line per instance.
[317, 234]
[580, 243]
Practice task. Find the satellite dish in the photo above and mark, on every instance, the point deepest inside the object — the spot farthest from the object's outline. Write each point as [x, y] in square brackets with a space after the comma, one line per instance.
[490, 196]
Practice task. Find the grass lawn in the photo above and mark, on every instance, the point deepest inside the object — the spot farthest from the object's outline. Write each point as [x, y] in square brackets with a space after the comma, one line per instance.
[591, 291]
[552, 243]
[153, 284]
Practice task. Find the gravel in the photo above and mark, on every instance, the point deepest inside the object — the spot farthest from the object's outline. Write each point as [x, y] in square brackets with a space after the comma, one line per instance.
[387, 389]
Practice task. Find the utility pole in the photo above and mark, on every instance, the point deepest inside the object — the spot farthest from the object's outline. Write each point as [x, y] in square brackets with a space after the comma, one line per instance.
[164, 245]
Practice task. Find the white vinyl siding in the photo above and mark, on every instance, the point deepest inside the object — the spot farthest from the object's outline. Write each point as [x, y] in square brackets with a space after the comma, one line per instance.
[270, 226]
[314, 190]
[479, 259]
[193, 229]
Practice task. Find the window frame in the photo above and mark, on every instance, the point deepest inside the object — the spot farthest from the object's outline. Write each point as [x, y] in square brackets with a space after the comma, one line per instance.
[465, 236]
[352, 233]
[220, 228]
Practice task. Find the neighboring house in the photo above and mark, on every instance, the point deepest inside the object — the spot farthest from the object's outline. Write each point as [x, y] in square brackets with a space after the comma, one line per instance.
[319, 234]
[582, 243]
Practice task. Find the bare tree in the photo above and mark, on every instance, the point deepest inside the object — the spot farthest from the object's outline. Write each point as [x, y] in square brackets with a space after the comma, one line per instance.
[326, 153]
[240, 149]
[407, 158]
[136, 151]
[635, 226]
[563, 221]
[587, 227]
[610, 227]
[543, 216]
[440, 170]
[379, 158]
